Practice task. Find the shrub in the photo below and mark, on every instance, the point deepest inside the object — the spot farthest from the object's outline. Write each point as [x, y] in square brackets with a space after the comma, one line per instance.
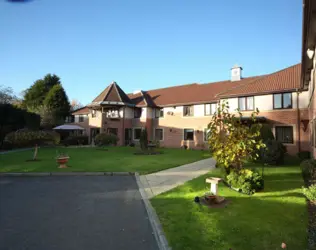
[132, 144]
[304, 155]
[274, 152]
[27, 138]
[76, 140]
[310, 192]
[246, 180]
[308, 168]
[105, 139]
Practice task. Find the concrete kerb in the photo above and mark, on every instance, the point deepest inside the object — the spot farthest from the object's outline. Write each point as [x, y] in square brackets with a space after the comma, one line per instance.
[65, 174]
[153, 218]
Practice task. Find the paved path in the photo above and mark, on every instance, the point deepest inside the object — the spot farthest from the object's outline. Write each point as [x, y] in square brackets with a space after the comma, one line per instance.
[73, 213]
[165, 180]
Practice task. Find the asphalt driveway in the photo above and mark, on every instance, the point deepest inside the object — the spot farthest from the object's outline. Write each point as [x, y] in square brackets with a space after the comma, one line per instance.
[73, 212]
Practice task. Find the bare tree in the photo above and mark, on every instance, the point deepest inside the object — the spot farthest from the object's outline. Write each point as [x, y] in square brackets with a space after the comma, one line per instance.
[6, 95]
[75, 104]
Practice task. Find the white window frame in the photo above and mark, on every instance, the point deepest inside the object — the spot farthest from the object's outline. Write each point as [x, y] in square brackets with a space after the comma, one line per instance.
[163, 134]
[188, 116]
[211, 109]
[204, 134]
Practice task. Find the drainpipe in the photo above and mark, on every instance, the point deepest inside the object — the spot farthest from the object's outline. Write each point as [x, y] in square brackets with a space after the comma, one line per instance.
[298, 119]
[123, 131]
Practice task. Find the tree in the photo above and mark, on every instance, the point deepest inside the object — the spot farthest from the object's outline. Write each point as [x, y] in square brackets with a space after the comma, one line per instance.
[143, 140]
[75, 104]
[231, 141]
[6, 95]
[35, 95]
[57, 102]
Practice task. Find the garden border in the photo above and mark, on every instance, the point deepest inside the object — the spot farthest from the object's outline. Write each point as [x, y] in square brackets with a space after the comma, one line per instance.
[153, 218]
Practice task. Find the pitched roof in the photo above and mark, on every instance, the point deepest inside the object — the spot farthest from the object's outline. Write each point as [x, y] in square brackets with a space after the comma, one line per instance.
[284, 80]
[188, 94]
[112, 93]
[81, 111]
[281, 81]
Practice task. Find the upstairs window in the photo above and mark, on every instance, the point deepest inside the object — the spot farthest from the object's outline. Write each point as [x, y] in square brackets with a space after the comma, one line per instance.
[137, 112]
[188, 134]
[245, 103]
[284, 134]
[210, 108]
[81, 118]
[282, 101]
[93, 113]
[188, 110]
[159, 113]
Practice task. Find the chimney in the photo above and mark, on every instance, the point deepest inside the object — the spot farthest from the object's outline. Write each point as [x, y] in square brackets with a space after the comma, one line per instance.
[236, 73]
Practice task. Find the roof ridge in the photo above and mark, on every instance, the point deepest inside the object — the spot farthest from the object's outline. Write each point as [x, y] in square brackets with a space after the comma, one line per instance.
[182, 85]
[256, 78]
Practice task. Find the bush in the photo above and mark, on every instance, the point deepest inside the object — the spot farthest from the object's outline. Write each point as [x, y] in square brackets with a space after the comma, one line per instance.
[27, 138]
[76, 140]
[310, 192]
[246, 180]
[308, 168]
[274, 152]
[105, 139]
[304, 155]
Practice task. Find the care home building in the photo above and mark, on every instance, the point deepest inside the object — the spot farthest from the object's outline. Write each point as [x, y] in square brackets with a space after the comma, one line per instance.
[179, 115]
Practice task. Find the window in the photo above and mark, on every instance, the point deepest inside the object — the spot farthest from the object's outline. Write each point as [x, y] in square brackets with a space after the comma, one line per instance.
[188, 134]
[158, 134]
[137, 112]
[284, 134]
[282, 101]
[188, 110]
[210, 108]
[93, 113]
[81, 118]
[245, 103]
[159, 113]
[112, 131]
[206, 131]
[137, 132]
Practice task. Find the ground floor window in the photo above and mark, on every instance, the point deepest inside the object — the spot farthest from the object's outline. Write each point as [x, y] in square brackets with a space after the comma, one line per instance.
[136, 134]
[284, 134]
[206, 131]
[188, 134]
[112, 131]
[158, 134]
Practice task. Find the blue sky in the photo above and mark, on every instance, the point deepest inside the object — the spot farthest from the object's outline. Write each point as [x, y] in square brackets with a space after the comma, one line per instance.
[144, 44]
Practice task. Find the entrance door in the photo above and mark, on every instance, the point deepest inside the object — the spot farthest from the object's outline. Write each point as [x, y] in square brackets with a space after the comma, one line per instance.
[93, 133]
[128, 136]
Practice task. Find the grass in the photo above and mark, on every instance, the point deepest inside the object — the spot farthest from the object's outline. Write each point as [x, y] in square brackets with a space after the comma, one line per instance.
[262, 221]
[116, 159]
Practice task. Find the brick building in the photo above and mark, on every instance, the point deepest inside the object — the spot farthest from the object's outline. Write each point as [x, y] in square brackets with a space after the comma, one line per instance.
[309, 66]
[179, 115]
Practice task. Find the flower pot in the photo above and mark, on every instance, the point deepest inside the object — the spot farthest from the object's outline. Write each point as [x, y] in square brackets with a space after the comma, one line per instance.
[62, 161]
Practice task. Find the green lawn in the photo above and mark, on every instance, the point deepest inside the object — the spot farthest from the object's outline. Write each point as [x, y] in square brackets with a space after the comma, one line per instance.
[116, 159]
[262, 221]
